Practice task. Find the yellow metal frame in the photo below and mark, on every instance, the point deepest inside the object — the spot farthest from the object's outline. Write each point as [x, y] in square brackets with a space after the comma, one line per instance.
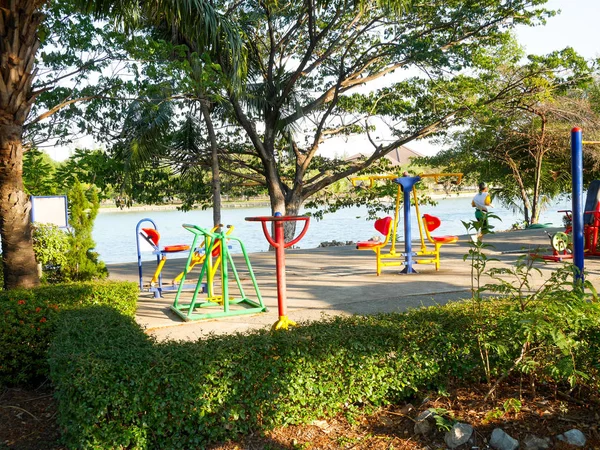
[437, 245]
[424, 255]
[377, 249]
[198, 257]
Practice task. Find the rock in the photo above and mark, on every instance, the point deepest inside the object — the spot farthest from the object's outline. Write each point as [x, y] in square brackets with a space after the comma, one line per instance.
[335, 243]
[422, 423]
[458, 435]
[573, 437]
[323, 425]
[423, 427]
[532, 442]
[425, 415]
[502, 441]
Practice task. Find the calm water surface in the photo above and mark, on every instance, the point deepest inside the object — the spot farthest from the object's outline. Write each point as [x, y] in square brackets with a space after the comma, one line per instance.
[114, 232]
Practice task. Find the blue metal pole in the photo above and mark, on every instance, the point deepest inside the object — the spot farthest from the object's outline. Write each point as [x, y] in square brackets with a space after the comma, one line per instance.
[139, 252]
[577, 207]
[408, 268]
[407, 184]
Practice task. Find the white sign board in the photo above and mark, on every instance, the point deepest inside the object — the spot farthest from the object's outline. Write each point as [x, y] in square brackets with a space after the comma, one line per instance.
[50, 209]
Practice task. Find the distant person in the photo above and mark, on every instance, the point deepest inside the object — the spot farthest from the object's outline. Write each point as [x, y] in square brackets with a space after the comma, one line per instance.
[481, 202]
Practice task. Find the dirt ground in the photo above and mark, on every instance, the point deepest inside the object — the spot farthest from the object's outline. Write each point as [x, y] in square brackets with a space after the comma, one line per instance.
[27, 421]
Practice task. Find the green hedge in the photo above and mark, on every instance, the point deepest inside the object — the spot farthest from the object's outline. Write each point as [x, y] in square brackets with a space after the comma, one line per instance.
[121, 389]
[118, 388]
[28, 317]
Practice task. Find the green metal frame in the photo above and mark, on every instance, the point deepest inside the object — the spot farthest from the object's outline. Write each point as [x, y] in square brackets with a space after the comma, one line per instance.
[187, 311]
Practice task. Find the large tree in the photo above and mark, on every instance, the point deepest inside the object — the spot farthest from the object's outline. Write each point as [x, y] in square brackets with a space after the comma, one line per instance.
[306, 58]
[521, 144]
[22, 30]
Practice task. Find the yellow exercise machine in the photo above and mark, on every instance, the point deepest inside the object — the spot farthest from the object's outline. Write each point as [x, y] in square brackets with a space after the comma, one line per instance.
[388, 227]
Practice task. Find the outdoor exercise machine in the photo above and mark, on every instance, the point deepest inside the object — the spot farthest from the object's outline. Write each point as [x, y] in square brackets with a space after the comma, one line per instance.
[150, 236]
[200, 254]
[561, 242]
[280, 245]
[583, 237]
[389, 227]
[577, 143]
[215, 245]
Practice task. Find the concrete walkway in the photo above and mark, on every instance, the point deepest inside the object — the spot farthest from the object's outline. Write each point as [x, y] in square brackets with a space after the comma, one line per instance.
[338, 281]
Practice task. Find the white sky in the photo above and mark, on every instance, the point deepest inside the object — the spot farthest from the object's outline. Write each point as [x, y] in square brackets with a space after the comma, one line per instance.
[577, 26]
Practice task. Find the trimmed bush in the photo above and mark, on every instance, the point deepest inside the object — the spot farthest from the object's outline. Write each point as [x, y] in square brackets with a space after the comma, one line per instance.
[28, 317]
[51, 245]
[117, 388]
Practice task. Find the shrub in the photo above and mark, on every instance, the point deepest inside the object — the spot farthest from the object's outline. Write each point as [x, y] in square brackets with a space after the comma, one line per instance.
[50, 245]
[82, 261]
[118, 388]
[121, 389]
[28, 317]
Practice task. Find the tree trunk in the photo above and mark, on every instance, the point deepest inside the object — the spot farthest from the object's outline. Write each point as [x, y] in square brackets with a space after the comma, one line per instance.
[539, 156]
[287, 205]
[277, 201]
[522, 189]
[19, 43]
[216, 176]
[19, 264]
[535, 210]
[292, 208]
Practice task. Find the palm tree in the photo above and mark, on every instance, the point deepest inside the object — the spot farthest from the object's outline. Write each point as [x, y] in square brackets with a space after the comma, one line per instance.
[19, 42]
[19, 22]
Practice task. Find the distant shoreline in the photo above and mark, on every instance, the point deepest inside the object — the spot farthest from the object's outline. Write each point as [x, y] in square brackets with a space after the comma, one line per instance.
[173, 207]
[249, 204]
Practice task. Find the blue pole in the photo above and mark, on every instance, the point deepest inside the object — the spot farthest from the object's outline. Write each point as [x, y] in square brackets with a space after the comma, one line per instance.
[407, 184]
[577, 207]
[139, 252]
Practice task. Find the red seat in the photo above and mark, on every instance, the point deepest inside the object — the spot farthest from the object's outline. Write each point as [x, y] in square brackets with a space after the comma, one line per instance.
[384, 226]
[367, 244]
[445, 239]
[151, 235]
[432, 223]
[591, 220]
[175, 248]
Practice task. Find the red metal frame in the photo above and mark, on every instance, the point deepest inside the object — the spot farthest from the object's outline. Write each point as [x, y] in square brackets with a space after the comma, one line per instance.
[280, 245]
[590, 230]
[590, 235]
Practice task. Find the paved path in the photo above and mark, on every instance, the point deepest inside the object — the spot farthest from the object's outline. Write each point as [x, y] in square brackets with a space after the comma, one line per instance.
[337, 281]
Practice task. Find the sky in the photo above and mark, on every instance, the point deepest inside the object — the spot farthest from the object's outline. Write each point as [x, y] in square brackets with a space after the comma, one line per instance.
[577, 26]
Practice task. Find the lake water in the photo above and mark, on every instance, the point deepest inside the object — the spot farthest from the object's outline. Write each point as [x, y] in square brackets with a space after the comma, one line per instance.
[114, 232]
